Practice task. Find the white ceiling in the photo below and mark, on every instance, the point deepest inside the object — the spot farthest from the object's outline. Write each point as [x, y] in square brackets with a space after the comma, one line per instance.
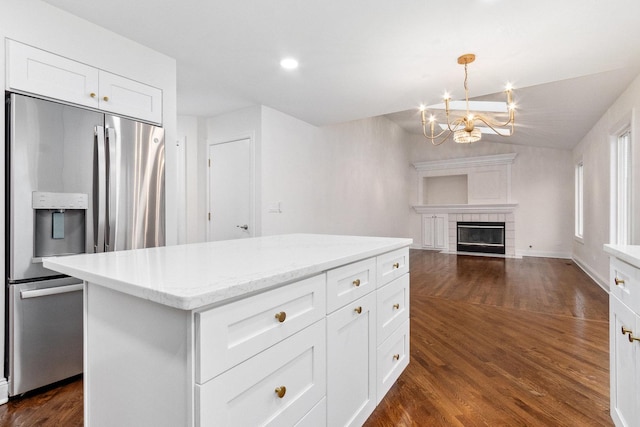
[568, 60]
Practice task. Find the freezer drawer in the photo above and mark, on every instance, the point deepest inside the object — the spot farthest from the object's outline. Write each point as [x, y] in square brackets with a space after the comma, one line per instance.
[45, 333]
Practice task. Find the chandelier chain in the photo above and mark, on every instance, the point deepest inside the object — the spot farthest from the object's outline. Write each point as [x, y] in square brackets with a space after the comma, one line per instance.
[466, 88]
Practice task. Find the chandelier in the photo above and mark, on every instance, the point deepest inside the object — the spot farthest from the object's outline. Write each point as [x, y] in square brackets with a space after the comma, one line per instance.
[464, 128]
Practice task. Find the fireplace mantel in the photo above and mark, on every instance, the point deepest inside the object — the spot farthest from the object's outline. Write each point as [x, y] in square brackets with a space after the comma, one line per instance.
[473, 208]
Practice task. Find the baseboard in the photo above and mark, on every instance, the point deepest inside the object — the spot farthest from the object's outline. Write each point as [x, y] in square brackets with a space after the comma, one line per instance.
[542, 254]
[602, 282]
[4, 391]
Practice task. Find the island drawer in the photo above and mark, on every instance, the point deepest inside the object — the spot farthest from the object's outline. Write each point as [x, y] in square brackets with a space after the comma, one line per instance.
[393, 306]
[350, 282]
[317, 417]
[392, 265]
[232, 333]
[393, 358]
[625, 283]
[275, 388]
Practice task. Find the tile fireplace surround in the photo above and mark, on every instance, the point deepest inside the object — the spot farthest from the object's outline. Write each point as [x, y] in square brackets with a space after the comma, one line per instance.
[509, 229]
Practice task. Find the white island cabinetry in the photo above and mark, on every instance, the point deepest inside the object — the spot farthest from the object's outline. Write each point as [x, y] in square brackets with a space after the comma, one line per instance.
[280, 330]
[624, 334]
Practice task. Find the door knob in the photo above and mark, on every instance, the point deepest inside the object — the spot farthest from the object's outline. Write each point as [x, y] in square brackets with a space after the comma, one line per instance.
[244, 227]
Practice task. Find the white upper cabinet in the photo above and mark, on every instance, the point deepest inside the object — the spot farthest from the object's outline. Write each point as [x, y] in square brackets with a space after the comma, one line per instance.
[39, 72]
[120, 95]
[42, 73]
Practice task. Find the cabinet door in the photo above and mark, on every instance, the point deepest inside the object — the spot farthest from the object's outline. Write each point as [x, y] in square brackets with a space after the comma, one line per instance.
[126, 97]
[624, 282]
[440, 229]
[351, 363]
[427, 231]
[434, 231]
[43, 73]
[624, 365]
[348, 283]
[393, 358]
[234, 332]
[392, 307]
[277, 387]
[391, 265]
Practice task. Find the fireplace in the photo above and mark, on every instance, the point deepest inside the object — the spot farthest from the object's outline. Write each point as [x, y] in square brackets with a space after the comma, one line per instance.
[483, 237]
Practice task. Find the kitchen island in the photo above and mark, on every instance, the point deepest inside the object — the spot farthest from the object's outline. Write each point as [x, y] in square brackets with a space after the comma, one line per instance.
[280, 330]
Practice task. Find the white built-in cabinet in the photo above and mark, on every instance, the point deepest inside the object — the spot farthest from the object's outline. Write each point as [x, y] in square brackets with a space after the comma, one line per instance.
[624, 341]
[34, 71]
[435, 231]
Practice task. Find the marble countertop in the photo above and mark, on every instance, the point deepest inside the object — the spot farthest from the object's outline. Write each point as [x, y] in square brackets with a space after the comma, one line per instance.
[195, 275]
[627, 253]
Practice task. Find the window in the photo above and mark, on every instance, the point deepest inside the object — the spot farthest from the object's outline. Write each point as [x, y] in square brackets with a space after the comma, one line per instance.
[621, 176]
[579, 209]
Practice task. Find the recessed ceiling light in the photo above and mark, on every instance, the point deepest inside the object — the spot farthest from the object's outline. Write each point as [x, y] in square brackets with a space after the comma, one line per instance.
[289, 64]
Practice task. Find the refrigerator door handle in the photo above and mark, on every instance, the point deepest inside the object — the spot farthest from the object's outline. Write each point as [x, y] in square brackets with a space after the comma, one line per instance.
[35, 293]
[112, 189]
[99, 189]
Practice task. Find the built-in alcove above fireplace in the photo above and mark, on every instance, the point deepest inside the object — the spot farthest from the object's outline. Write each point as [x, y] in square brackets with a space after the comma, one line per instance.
[464, 190]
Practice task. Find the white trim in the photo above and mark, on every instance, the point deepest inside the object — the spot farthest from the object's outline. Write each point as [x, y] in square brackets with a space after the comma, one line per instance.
[626, 122]
[542, 254]
[578, 206]
[4, 391]
[497, 160]
[600, 281]
[479, 208]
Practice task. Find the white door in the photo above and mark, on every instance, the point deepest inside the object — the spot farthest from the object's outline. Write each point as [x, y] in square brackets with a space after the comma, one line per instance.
[230, 190]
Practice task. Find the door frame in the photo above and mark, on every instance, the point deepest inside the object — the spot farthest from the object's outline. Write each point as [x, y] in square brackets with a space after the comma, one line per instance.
[252, 197]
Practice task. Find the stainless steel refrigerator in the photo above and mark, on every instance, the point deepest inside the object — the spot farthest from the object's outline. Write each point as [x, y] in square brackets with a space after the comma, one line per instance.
[78, 181]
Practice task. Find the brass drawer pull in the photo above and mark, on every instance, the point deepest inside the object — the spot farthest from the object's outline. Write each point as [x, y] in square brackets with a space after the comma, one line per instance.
[396, 265]
[281, 391]
[396, 357]
[93, 95]
[618, 281]
[281, 316]
[396, 306]
[358, 310]
[630, 332]
[356, 282]
[105, 98]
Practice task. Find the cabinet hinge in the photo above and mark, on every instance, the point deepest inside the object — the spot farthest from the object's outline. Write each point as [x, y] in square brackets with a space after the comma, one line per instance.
[209, 216]
[209, 162]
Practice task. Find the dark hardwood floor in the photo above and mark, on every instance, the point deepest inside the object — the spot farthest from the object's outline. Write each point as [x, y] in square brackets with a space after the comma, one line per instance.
[494, 342]
[502, 342]
[58, 405]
